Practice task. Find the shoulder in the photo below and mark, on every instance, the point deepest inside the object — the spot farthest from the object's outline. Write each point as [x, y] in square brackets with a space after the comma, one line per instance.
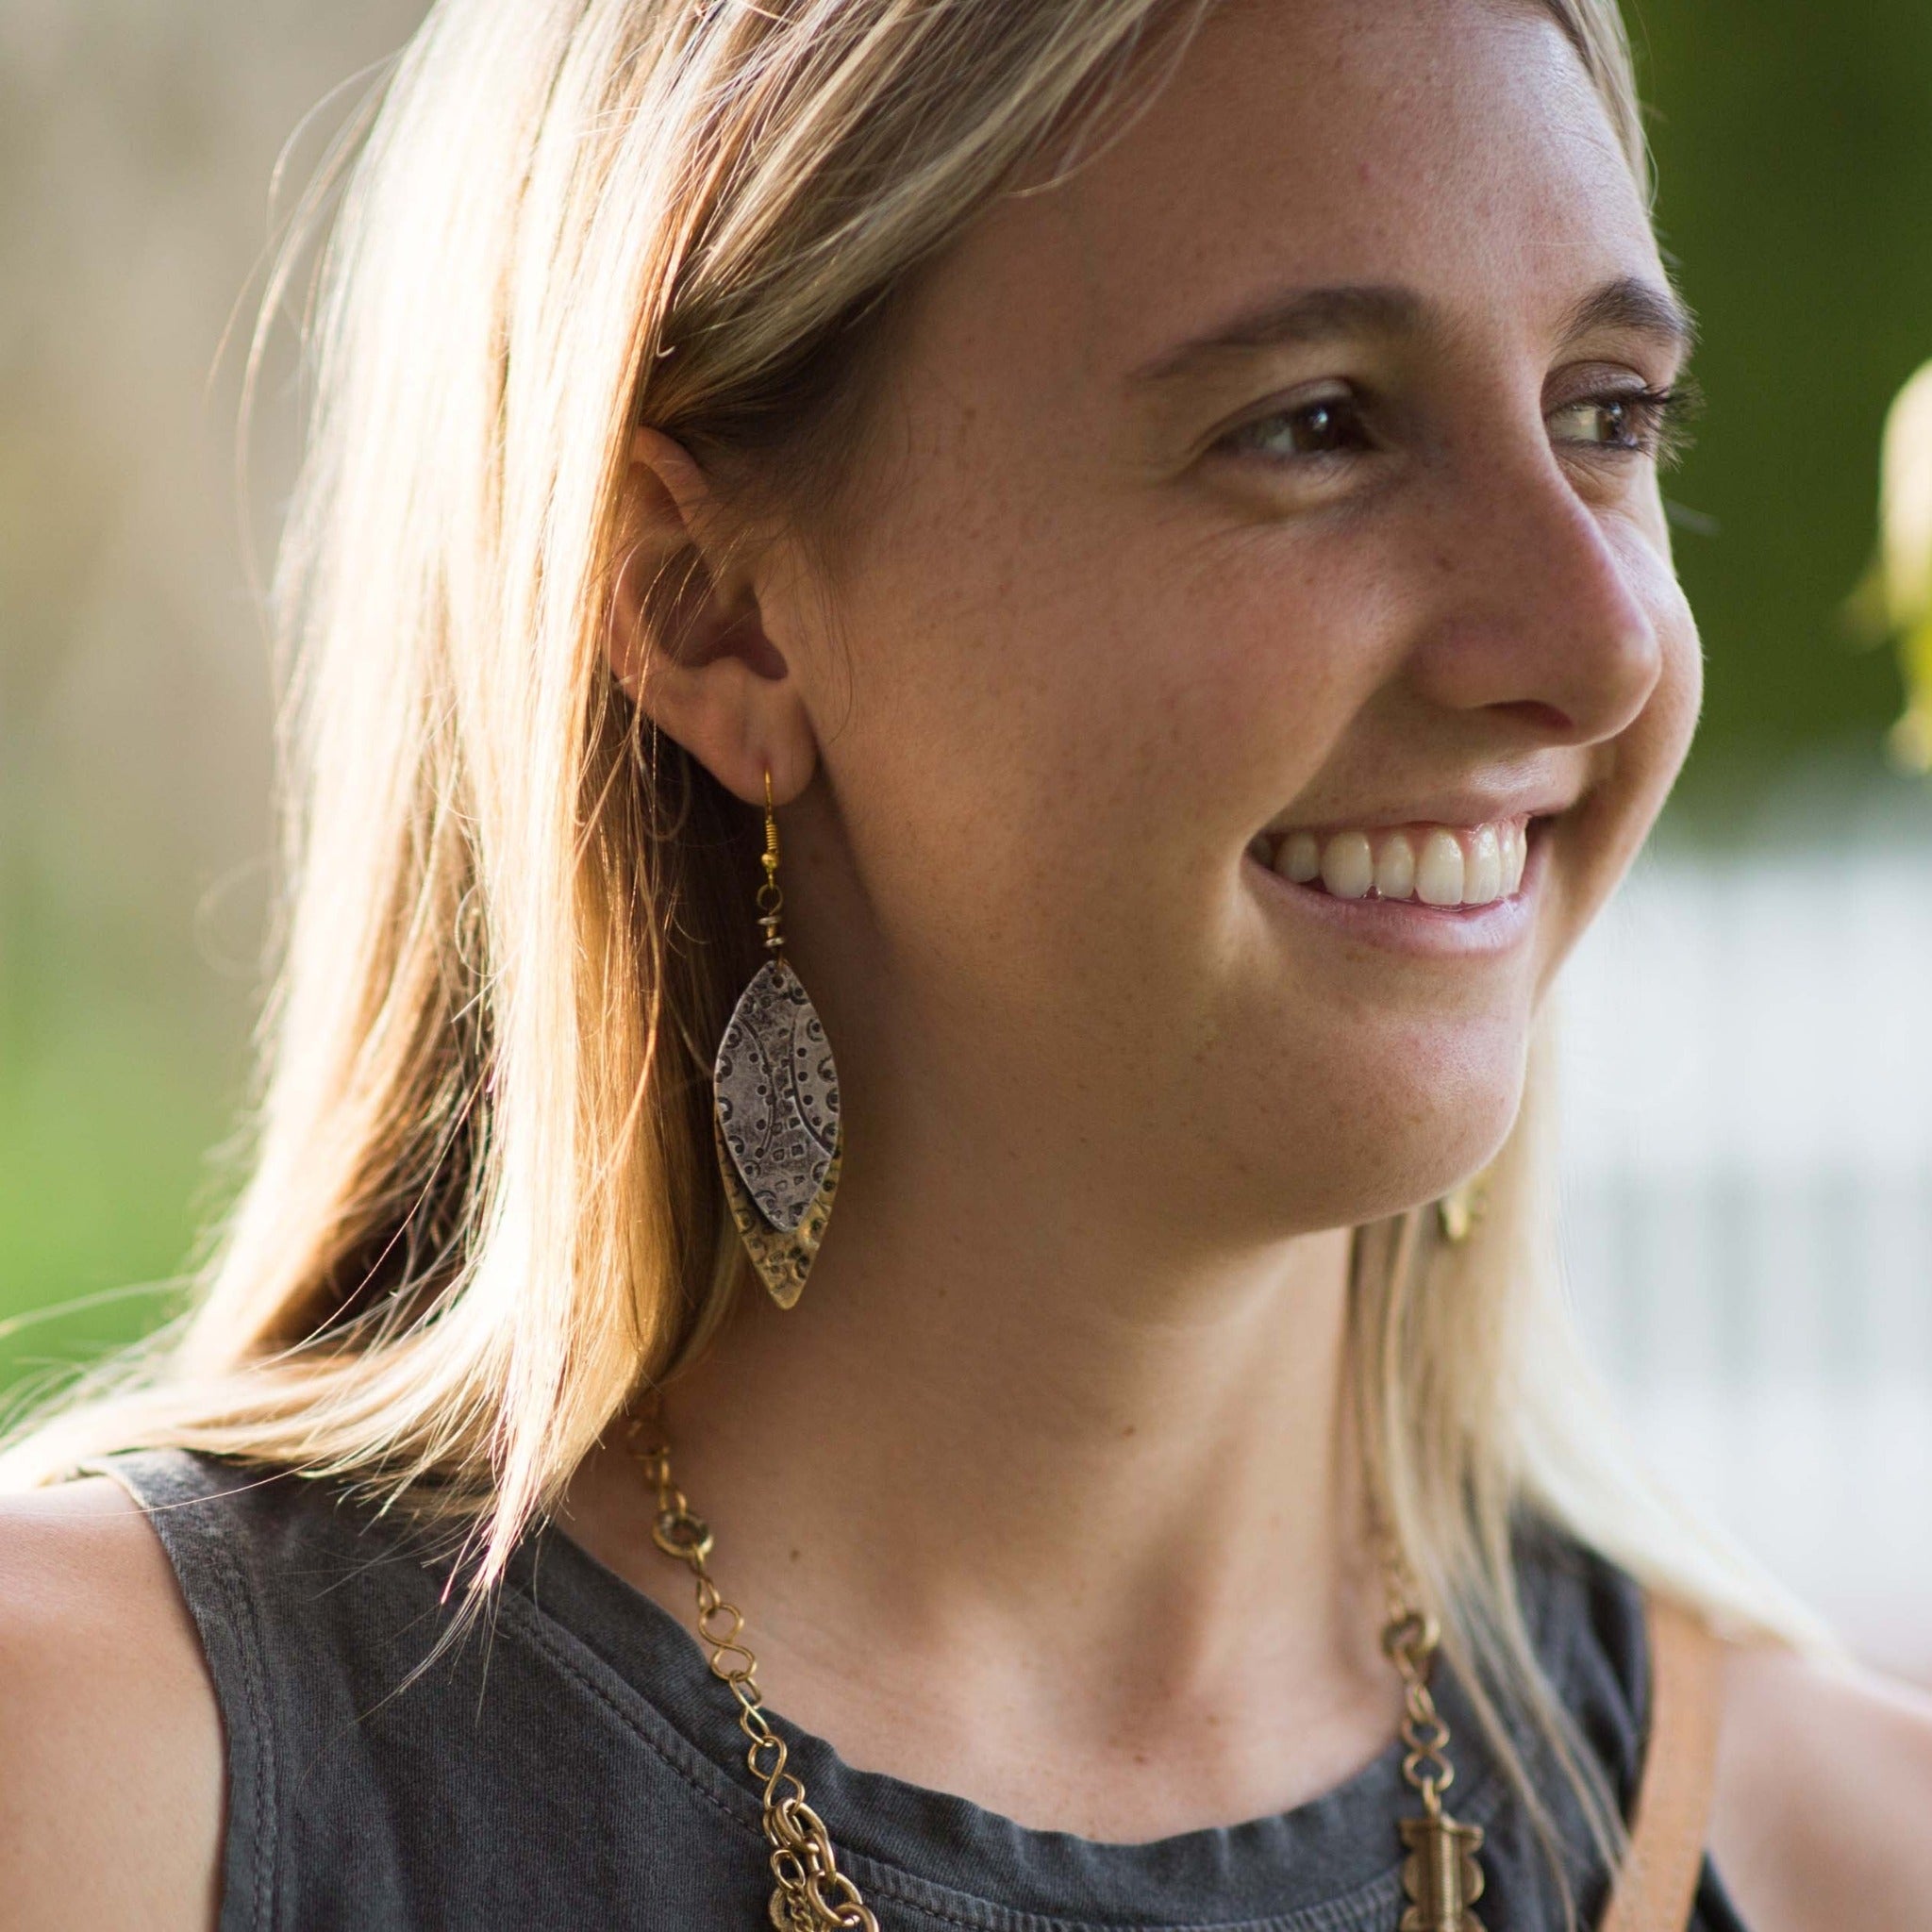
[111, 1778]
[1823, 1788]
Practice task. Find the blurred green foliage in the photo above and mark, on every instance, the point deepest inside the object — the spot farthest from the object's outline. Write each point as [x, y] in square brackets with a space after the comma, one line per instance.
[137, 147]
[1795, 180]
[102, 1133]
[136, 143]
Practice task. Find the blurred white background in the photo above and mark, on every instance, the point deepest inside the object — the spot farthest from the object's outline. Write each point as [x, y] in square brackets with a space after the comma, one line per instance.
[1747, 1101]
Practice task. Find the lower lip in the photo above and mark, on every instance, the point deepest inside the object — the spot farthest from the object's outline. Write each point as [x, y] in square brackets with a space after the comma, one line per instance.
[1406, 925]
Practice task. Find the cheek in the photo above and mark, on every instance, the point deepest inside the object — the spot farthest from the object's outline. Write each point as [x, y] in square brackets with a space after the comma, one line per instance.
[992, 745]
[1069, 710]
[1059, 771]
[1683, 683]
[1642, 766]
[1671, 717]
[1651, 752]
[1238, 674]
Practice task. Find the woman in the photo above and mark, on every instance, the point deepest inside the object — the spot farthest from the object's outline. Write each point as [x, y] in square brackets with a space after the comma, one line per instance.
[1166, 499]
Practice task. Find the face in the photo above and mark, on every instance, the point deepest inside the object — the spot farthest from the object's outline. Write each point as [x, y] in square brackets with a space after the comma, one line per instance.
[1261, 654]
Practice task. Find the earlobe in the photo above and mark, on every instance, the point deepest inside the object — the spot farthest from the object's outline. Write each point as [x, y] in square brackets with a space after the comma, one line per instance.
[687, 640]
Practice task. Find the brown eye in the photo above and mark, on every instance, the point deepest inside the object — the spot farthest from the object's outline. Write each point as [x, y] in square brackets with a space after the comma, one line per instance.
[1636, 422]
[1613, 421]
[1328, 426]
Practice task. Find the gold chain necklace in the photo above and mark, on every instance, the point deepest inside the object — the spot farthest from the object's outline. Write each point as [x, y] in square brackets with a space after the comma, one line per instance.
[1441, 1877]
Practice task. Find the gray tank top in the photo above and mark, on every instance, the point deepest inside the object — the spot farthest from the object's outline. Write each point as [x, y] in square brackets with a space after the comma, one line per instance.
[572, 1765]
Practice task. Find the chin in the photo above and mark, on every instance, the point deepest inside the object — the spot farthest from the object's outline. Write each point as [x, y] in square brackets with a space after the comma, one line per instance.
[1386, 1131]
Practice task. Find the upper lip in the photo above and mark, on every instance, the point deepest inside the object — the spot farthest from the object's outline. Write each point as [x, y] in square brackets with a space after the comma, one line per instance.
[1460, 807]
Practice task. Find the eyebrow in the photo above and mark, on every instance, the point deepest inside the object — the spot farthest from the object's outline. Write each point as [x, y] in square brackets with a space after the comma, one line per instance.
[1630, 302]
[1308, 315]
[1638, 307]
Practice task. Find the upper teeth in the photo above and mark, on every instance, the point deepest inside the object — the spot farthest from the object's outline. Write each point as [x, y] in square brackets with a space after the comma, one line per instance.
[1440, 865]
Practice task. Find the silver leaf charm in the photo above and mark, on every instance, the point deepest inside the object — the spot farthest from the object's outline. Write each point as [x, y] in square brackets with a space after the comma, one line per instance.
[777, 1097]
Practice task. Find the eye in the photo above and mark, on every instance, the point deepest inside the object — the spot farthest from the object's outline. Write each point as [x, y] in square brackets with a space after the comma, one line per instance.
[1642, 421]
[1321, 427]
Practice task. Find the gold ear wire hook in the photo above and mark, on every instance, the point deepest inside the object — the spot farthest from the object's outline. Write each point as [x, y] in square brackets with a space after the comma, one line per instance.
[771, 899]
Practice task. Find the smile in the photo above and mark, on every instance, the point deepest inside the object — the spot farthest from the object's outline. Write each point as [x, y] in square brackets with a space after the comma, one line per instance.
[1442, 866]
[1432, 891]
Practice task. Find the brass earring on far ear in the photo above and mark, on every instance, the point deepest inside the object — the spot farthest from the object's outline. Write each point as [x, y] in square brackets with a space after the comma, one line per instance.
[1461, 1207]
[776, 1106]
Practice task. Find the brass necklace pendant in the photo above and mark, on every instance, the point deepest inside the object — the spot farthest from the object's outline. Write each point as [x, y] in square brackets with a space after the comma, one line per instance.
[1441, 1877]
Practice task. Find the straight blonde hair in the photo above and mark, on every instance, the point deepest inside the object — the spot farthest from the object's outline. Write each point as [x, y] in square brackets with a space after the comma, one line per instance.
[483, 1210]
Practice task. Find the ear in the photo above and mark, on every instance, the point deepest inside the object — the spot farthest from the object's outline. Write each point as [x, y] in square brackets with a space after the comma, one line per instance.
[687, 638]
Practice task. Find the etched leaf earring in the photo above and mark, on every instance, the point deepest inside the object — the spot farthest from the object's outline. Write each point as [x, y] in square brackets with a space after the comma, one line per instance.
[776, 1106]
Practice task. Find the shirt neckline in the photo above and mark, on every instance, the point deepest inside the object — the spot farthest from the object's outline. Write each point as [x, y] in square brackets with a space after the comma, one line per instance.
[1331, 1863]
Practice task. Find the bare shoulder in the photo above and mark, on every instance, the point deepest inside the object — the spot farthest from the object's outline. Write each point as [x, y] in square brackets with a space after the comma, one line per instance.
[1823, 1791]
[111, 1772]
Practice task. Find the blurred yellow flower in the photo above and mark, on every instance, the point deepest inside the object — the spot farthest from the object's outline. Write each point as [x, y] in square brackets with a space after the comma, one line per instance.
[1901, 586]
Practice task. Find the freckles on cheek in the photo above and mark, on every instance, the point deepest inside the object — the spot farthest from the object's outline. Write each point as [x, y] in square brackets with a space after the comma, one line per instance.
[1269, 674]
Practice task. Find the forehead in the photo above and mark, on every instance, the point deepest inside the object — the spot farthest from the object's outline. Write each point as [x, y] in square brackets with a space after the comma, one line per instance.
[1455, 147]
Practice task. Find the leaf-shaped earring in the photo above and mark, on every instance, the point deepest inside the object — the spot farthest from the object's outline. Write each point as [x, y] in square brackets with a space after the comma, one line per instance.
[776, 1106]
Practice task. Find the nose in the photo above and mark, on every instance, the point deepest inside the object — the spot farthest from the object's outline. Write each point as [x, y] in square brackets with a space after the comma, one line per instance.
[1537, 611]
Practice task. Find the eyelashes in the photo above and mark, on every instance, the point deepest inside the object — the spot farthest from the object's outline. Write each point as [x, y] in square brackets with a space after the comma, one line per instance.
[1649, 422]
[1641, 421]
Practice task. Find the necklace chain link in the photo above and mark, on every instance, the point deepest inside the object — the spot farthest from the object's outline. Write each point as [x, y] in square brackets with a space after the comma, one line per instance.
[809, 1892]
[1411, 1637]
[811, 1895]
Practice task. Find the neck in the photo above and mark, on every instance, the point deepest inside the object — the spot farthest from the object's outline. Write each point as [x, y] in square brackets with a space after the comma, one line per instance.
[1003, 1448]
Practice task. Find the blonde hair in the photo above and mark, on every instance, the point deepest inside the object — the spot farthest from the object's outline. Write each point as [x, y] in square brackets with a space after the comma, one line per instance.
[483, 1207]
